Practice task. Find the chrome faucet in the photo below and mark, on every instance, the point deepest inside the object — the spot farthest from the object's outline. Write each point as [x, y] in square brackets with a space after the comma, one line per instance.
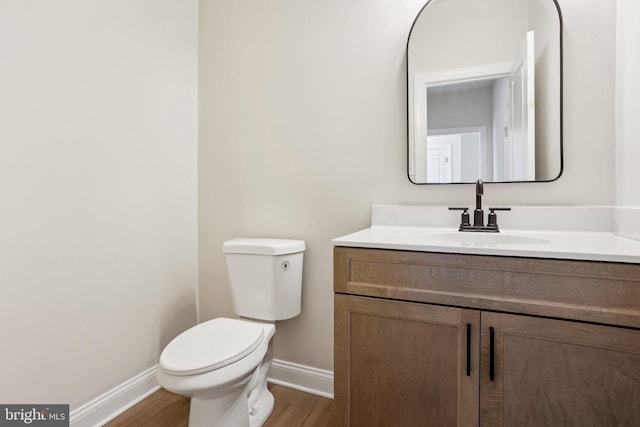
[478, 214]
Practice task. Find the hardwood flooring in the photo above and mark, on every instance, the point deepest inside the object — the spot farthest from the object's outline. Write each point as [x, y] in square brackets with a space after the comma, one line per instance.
[292, 409]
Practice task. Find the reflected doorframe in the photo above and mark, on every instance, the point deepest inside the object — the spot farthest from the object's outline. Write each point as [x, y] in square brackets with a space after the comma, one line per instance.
[418, 98]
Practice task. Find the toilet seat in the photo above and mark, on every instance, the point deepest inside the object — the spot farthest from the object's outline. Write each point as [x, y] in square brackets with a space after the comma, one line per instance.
[211, 345]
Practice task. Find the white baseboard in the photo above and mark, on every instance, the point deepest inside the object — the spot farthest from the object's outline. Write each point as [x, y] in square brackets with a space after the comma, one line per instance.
[117, 400]
[301, 377]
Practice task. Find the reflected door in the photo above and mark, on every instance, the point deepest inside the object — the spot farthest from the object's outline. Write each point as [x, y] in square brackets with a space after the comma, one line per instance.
[454, 155]
[439, 164]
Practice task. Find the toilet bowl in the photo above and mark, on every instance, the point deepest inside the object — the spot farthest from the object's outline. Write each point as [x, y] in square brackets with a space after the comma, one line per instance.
[222, 364]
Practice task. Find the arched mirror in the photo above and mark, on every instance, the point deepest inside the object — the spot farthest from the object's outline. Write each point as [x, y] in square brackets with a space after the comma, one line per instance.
[484, 92]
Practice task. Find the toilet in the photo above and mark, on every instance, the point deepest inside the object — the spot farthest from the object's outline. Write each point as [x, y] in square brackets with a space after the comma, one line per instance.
[222, 364]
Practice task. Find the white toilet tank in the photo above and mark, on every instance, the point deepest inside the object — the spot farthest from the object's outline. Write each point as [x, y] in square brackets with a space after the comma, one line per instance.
[265, 276]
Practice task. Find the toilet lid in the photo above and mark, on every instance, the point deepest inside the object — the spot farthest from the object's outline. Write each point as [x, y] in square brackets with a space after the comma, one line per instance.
[211, 345]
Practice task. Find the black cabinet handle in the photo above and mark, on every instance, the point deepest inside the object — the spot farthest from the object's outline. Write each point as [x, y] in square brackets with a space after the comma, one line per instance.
[468, 349]
[492, 354]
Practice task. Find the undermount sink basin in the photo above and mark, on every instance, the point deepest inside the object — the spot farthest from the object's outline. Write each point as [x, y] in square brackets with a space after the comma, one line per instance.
[481, 239]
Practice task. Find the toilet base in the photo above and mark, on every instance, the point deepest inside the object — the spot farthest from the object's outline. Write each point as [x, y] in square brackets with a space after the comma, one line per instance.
[260, 400]
[265, 407]
[248, 406]
[227, 411]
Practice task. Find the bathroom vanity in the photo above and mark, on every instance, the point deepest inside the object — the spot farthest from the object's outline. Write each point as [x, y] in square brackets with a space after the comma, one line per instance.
[457, 332]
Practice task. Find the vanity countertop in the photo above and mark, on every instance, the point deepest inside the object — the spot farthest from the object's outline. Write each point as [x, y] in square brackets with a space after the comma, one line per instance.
[590, 246]
[574, 233]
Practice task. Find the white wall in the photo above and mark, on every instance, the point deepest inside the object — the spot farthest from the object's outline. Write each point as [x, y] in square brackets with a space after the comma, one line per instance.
[303, 127]
[98, 191]
[627, 212]
[628, 105]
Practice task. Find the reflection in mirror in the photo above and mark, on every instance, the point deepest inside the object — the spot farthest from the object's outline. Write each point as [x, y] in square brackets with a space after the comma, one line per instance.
[484, 92]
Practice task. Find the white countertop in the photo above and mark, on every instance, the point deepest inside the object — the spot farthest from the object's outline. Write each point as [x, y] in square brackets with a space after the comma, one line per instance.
[593, 244]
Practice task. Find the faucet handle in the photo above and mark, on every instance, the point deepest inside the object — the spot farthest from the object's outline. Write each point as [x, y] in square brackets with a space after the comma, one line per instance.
[464, 218]
[493, 218]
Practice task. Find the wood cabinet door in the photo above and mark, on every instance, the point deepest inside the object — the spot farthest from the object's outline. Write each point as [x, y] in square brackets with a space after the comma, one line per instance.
[558, 373]
[402, 364]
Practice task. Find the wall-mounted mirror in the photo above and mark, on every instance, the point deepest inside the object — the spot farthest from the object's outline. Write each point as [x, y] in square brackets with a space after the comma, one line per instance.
[484, 92]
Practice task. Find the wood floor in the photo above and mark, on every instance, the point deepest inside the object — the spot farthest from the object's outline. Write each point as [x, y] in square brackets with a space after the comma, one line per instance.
[292, 409]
